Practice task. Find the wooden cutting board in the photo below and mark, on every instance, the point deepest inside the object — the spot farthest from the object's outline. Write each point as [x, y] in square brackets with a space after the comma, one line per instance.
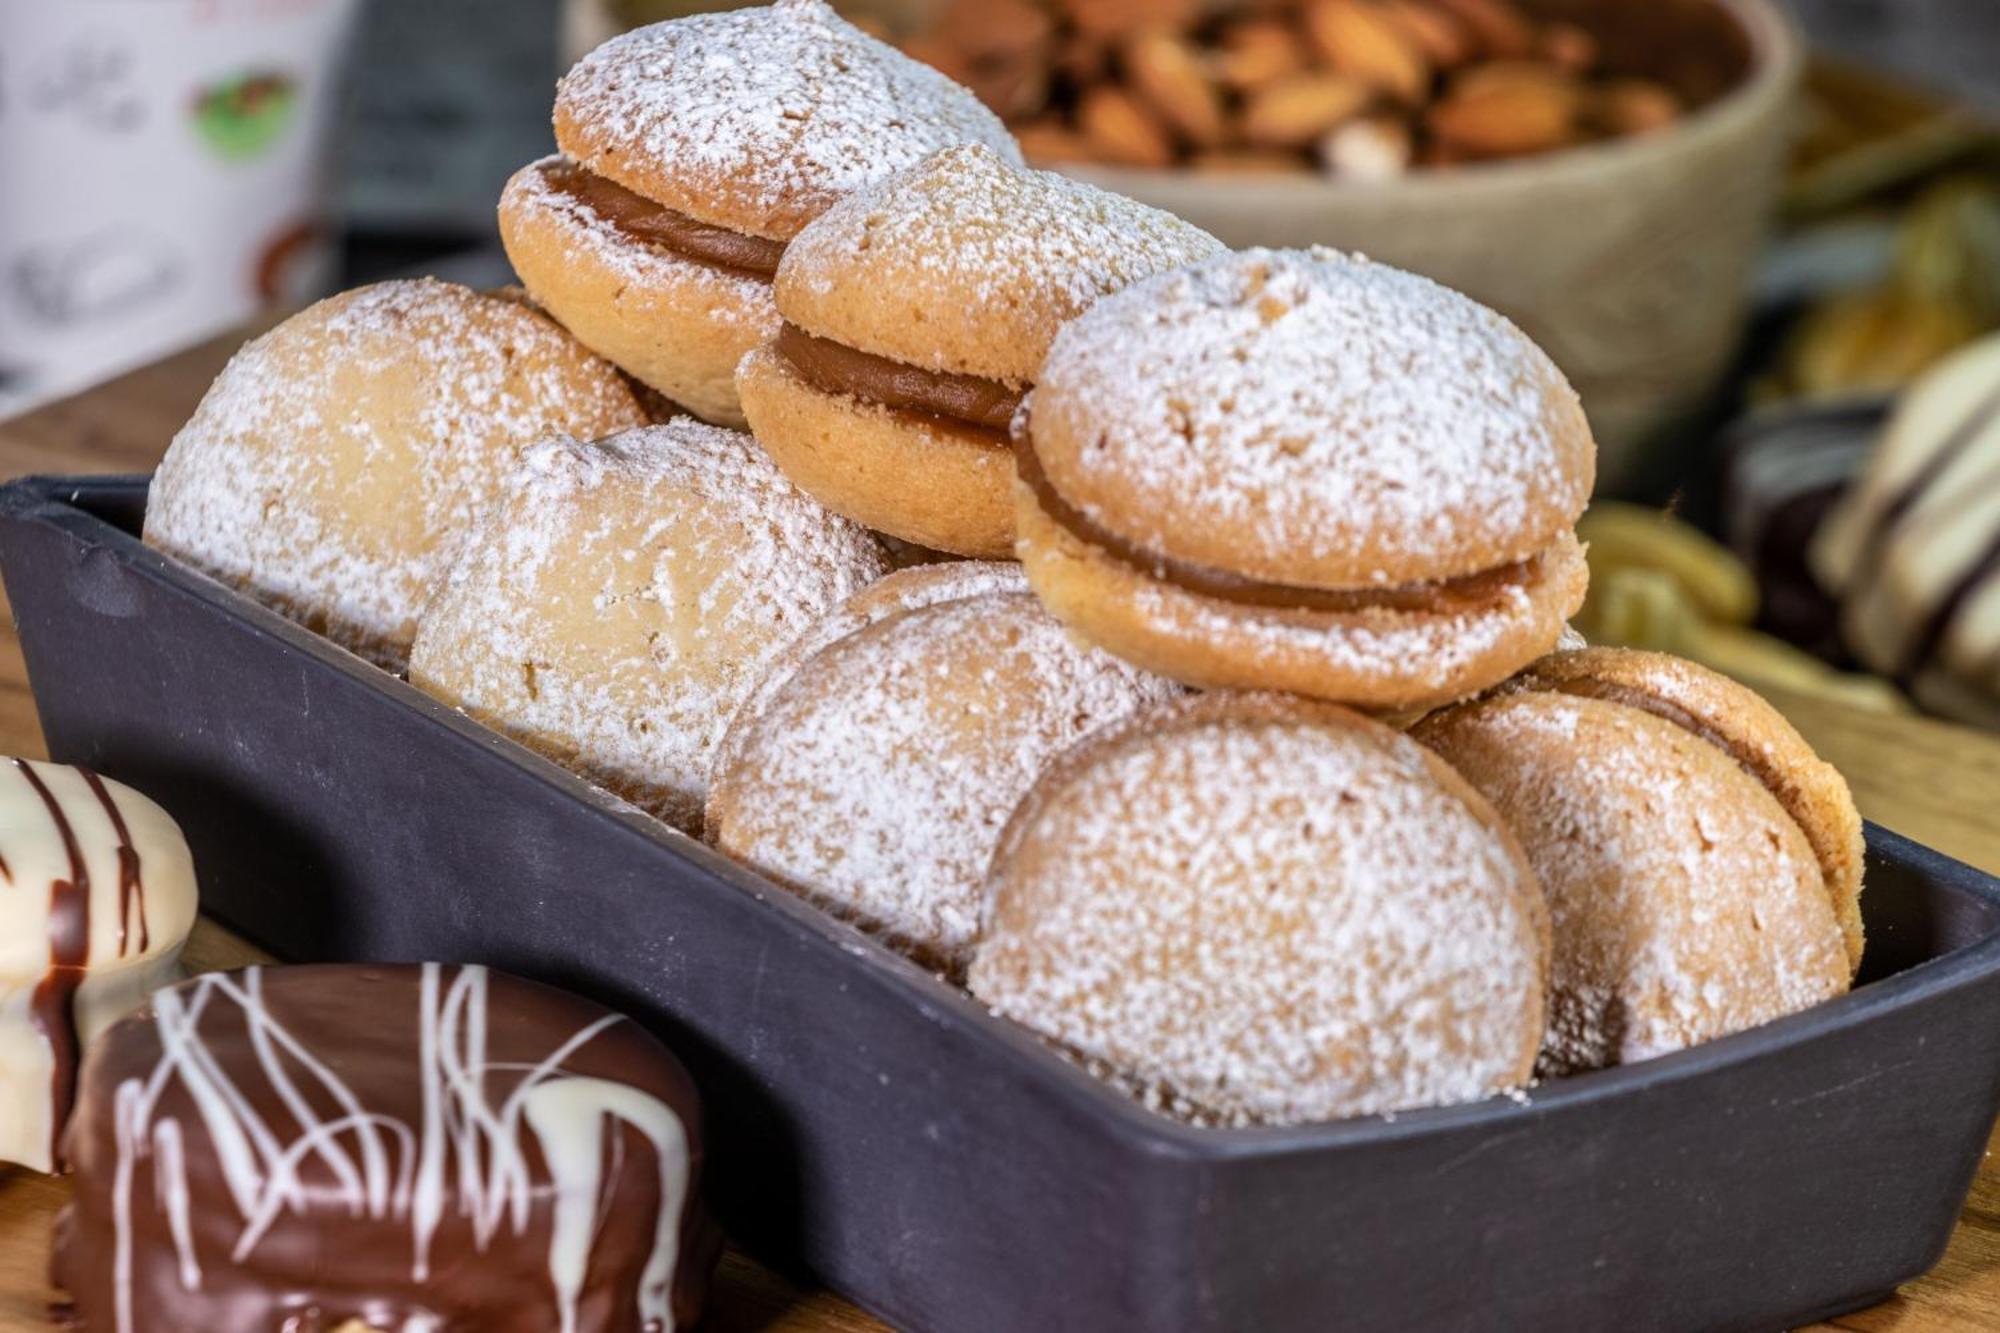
[1936, 783]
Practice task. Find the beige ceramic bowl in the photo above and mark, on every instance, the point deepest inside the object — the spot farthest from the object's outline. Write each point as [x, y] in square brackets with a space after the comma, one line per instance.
[1630, 261]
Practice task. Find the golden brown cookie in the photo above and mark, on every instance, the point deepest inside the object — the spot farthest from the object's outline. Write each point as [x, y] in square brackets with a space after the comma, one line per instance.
[1737, 719]
[1305, 471]
[335, 462]
[1269, 909]
[875, 777]
[1688, 901]
[692, 151]
[916, 314]
[620, 600]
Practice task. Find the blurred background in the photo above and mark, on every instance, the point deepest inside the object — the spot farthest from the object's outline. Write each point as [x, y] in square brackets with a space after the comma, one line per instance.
[1749, 230]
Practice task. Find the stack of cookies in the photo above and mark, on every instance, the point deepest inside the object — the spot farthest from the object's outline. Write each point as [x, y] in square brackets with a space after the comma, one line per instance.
[1139, 771]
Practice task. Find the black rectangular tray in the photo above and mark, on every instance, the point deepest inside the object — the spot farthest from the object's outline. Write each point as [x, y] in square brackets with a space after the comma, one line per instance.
[875, 1128]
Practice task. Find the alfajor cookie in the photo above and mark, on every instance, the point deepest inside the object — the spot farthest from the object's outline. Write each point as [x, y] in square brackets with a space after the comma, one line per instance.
[1305, 471]
[1702, 866]
[692, 152]
[336, 461]
[915, 316]
[621, 598]
[874, 777]
[1260, 908]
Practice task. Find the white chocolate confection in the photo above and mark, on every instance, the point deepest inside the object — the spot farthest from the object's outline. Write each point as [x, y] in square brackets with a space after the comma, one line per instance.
[97, 895]
[1913, 552]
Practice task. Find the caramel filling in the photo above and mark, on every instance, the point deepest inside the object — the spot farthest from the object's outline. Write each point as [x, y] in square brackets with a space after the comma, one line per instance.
[966, 400]
[643, 220]
[1469, 592]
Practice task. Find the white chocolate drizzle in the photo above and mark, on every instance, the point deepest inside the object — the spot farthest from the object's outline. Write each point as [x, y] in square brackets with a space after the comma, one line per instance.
[380, 1166]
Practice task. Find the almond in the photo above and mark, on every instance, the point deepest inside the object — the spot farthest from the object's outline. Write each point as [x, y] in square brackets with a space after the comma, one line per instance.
[1569, 46]
[1368, 151]
[1354, 38]
[1082, 60]
[1442, 38]
[1294, 112]
[1167, 75]
[1497, 26]
[1118, 19]
[1119, 130]
[1257, 53]
[1634, 106]
[1502, 120]
[997, 27]
[1498, 74]
[1049, 140]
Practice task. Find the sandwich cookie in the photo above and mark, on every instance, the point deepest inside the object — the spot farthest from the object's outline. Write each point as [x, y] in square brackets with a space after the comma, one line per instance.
[1256, 908]
[691, 152]
[621, 598]
[1305, 471]
[382, 1149]
[332, 467]
[916, 315]
[875, 777]
[1702, 865]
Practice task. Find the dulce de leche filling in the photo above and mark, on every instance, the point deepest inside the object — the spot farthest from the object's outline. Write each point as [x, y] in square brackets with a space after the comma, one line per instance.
[833, 367]
[1468, 592]
[643, 220]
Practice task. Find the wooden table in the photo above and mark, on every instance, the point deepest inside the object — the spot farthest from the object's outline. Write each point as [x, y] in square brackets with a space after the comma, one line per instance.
[1937, 783]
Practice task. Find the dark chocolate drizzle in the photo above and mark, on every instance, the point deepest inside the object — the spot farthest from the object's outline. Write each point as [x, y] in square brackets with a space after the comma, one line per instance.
[131, 876]
[53, 1004]
[1468, 592]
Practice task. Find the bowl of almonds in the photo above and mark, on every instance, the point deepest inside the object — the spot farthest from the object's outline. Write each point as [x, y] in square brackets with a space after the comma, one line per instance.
[1601, 170]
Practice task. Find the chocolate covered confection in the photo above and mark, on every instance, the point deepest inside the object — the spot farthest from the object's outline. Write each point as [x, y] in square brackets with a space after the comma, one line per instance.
[97, 894]
[389, 1148]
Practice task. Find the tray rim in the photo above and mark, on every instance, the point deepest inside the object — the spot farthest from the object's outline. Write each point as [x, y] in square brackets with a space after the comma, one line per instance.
[58, 500]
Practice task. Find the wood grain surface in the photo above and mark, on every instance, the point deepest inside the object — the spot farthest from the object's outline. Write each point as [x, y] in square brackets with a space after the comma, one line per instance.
[1932, 781]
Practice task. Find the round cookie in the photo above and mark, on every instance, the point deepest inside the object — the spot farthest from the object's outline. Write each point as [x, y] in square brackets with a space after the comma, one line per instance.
[621, 598]
[335, 462]
[1687, 902]
[916, 315]
[1305, 471]
[98, 898]
[692, 151]
[875, 778]
[1757, 736]
[1268, 909]
[376, 1149]
[905, 589]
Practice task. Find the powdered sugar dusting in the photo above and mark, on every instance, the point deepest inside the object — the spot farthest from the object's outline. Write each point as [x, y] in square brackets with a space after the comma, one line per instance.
[1022, 251]
[336, 459]
[622, 598]
[1685, 903]
[1269, 918]
[782, 109]
[877, 780]
[1269, 408]
[904, 590]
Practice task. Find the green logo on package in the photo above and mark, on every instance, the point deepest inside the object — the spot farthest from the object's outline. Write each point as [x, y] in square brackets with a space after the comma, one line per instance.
[240, 118]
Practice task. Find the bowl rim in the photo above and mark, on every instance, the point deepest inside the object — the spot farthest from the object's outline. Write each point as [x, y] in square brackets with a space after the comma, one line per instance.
[66, 504]
[1777, 66]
